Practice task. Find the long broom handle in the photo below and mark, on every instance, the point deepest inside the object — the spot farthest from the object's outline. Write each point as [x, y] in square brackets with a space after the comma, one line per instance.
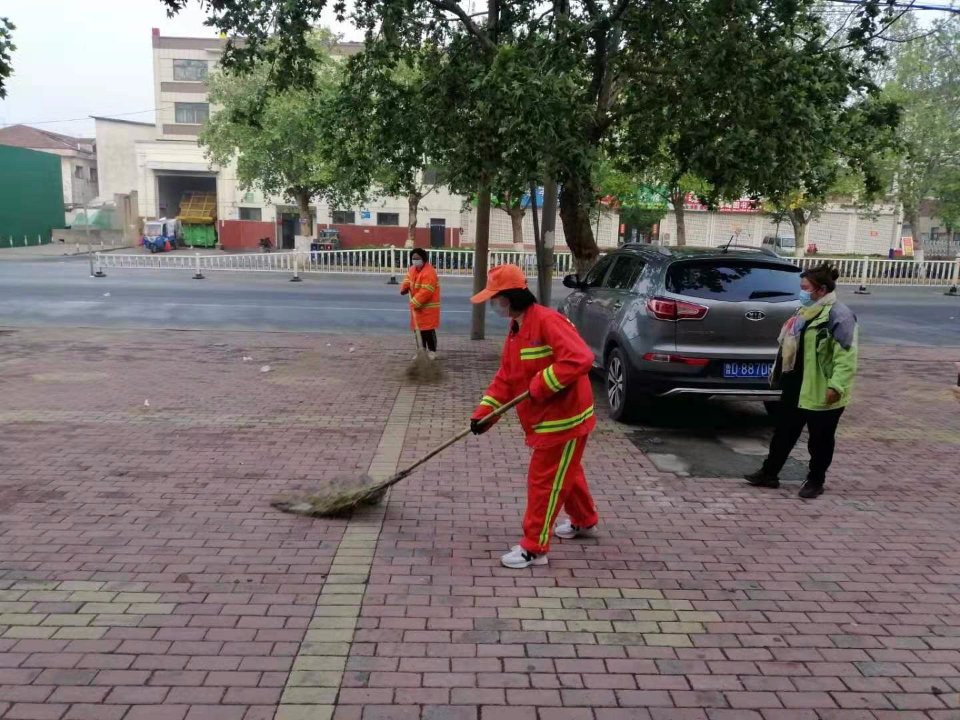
[416, 325]
[458, 437]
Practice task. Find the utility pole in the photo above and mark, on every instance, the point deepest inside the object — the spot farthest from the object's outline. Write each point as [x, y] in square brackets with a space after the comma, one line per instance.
[86, 227]
[478, 319]
[549, 225]
[897, 229]
[543, 279]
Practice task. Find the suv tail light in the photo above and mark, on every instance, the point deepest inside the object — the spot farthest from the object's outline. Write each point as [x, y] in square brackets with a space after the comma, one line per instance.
[667, 358]
[674, 310]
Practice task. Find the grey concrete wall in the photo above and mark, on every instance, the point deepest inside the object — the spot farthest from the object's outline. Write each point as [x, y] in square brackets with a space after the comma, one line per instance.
[72, 236]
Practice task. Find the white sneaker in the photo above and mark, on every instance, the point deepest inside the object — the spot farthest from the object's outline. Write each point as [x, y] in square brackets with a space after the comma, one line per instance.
[432, 355]
[568, 531]
[518, 558]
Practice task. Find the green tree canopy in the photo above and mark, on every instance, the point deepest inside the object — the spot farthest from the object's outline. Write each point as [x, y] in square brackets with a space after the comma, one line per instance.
[925, 79]
[280, 138]
[6, 50]
[742, 92]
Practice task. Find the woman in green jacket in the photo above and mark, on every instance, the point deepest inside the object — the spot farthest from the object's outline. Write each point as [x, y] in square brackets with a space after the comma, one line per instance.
[815, 370]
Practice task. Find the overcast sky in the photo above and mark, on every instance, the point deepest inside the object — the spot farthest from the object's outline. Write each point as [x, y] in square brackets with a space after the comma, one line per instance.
[75, 59]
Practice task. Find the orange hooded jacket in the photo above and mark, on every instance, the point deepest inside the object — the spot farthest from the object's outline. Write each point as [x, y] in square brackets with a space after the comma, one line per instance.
[424, 287]
[548, 357]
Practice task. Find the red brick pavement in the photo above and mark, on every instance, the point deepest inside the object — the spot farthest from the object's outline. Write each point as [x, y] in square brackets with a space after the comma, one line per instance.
[144, 575]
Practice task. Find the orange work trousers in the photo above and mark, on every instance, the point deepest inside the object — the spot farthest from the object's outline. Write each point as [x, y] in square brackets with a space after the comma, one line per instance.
[555, 480]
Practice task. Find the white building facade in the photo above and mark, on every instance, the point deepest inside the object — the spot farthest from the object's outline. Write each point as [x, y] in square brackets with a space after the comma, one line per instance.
[117, 154]
[839, 230]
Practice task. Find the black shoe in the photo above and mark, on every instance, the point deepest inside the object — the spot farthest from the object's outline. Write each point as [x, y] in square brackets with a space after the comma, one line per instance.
[762, 479]
[811, 489]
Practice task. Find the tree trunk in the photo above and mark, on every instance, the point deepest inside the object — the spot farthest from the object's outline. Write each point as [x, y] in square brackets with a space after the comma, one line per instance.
[545, 263]
[800, 219]
[575, 202]
[413, 206]
[912, 217]
[516, 226]
[677, 198]
[482, 246]
[303, 205]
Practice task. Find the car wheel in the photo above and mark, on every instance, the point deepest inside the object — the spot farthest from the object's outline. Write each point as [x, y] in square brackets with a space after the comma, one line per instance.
[624, 395]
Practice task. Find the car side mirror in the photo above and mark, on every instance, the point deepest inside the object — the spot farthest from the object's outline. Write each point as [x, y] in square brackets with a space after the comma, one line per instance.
[572, 282]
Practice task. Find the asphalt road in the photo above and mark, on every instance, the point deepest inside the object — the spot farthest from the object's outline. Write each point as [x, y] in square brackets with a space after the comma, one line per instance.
[60, 292]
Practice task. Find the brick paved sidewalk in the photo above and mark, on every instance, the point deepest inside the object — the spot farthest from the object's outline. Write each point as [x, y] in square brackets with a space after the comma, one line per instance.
[143, 573]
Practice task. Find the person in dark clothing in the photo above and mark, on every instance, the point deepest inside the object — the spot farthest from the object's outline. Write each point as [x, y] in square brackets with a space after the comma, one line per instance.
[815, 370]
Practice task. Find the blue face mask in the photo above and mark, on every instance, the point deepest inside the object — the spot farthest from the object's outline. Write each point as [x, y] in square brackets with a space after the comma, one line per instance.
[806, 299]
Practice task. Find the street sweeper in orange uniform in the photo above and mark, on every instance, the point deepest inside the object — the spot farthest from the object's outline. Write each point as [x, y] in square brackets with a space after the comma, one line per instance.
[543, 354]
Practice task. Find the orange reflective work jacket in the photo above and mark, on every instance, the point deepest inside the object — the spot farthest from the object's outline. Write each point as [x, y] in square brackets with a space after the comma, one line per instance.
[424, 287]
[547, 356]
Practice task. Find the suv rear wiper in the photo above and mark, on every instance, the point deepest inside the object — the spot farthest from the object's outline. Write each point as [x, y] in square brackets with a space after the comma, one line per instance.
[757, 294]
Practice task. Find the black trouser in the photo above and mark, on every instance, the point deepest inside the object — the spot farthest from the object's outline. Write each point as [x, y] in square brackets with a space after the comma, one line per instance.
[429, 339]
[822, 425]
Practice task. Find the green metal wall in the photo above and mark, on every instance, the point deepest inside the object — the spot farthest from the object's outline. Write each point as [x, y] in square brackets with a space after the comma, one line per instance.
[31, 196]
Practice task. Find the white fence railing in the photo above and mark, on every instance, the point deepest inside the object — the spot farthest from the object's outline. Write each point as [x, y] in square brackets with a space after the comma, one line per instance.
[879, 271]
[379, 261]
[453, 263]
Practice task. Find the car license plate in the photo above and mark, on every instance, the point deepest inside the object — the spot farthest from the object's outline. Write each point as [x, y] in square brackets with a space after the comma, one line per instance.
[747, 369]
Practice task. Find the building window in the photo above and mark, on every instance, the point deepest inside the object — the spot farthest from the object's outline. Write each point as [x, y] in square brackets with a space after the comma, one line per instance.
[388, 218]
[343, 217]
[191, 113]
[93, 175]
[189, 70]
[431, 176]
[78, 172]
[251, 214]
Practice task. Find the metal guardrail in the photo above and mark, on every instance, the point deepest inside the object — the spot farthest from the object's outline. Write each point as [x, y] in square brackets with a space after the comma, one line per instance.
[379, 261]
[454, 263]
[880, 271]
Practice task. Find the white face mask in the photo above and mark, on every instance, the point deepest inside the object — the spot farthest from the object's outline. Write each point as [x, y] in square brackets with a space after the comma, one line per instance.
[417, 262]
[502, 307]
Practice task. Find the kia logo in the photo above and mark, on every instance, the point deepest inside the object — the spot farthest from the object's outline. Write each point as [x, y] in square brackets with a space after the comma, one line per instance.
[754, 315]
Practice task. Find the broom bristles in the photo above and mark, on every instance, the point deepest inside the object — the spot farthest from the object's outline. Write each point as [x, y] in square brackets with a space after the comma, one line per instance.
[336, 497]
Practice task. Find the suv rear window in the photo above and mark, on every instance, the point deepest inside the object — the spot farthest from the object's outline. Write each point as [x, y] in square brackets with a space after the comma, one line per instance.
[734, 280]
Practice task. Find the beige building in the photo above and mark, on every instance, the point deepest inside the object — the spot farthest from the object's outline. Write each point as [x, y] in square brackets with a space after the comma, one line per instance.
[170, 162]
[117, 154]
[78, 160]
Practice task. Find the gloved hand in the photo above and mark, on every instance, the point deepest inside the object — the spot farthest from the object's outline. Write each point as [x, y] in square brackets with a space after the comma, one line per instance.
[405, 291]
[477, 429]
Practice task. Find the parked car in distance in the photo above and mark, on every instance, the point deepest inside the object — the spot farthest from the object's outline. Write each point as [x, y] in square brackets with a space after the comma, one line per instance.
[328, 239]
[683, 321]
[781, 244]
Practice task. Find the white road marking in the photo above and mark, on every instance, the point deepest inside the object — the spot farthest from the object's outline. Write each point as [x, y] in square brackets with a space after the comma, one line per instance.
[324, 307]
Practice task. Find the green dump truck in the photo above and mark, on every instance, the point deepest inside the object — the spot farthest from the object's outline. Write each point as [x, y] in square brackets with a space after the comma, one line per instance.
[198, 218]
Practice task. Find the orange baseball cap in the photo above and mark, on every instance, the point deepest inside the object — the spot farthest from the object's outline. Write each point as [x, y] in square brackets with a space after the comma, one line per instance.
[500, 278]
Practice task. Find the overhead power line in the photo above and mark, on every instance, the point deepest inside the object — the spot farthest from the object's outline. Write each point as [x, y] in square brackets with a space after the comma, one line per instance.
[909, 5]
[86, 117]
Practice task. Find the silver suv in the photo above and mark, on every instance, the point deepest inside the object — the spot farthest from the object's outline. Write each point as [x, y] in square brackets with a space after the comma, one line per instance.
[674, 321]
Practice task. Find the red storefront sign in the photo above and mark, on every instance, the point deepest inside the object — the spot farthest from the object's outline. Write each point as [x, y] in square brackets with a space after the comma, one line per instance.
[738, 206]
